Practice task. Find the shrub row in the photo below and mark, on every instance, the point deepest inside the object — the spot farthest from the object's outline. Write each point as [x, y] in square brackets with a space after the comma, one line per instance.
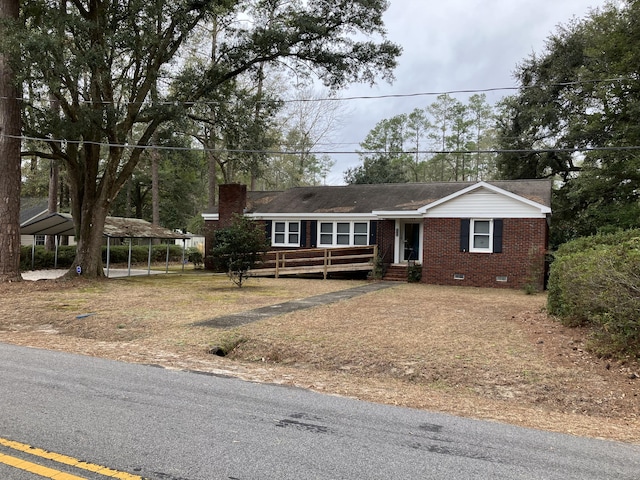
[595, 282]
[43, 258]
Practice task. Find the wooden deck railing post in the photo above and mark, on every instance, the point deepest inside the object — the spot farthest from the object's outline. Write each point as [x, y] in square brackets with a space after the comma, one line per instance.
[326, 259]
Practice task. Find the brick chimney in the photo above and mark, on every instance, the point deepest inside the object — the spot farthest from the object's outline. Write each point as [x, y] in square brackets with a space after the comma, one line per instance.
[233, 199]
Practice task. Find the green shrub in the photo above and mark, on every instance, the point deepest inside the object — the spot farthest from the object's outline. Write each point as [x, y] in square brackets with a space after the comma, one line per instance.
[595, 282]
[377, 272]
[44, 259]
[414, 273]
[194, 255]
[140, 253]
[41, 258]
[583, 244]
[239, 247]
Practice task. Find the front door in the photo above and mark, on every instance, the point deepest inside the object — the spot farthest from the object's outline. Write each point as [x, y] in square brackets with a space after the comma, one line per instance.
[410, 242]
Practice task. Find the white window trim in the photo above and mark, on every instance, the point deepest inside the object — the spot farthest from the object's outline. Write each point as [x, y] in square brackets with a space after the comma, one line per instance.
[472, 234]
[286, 233]
[334, 233]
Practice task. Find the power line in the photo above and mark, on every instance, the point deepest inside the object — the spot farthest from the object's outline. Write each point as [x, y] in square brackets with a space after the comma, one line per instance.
[335, 152]
[341, 99]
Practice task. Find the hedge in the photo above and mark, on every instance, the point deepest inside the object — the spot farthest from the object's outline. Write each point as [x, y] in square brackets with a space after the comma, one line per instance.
[118, 254]
[595, 282]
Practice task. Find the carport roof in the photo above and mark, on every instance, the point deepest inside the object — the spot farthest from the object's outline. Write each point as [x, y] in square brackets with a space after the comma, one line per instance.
[115, 227]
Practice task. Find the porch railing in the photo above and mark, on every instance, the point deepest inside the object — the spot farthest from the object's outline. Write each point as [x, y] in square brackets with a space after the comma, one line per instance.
[317, 260]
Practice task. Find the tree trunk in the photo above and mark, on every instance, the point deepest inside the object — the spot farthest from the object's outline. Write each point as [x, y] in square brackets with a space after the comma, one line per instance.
[53, 198]
[89, 243]
[89, 207]
[54, 173]
[155, 188]
[10, 130]
[213, 179]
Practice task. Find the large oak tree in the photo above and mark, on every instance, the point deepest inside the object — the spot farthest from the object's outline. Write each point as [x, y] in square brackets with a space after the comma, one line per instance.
[101, 59]
[575, 118]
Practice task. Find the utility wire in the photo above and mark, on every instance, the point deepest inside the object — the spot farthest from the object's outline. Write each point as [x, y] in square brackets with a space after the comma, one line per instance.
[334, 152]
[341, 99]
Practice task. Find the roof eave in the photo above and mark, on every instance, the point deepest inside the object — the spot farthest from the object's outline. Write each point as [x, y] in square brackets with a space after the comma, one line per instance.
[398, 213]
[308, 215]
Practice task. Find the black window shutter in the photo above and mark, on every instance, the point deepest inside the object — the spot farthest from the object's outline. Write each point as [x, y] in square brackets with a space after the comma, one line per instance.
[268, 225]
[373, 232]
[314, 233]
[465, 224]
[303, 233]
[497, 235]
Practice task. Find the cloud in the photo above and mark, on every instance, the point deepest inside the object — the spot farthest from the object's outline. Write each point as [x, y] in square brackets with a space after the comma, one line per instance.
[453, 45]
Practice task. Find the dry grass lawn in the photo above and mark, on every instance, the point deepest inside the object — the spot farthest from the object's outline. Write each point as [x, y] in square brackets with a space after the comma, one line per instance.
[481, 353]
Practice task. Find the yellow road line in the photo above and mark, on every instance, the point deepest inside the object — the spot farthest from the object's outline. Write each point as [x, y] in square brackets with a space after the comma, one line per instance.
[37, 469]
[66, 460]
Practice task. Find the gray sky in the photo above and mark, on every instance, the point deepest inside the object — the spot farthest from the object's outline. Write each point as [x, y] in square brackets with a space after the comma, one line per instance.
[452, 45]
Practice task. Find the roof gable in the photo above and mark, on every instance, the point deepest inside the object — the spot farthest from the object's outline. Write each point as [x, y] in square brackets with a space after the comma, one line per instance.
[484, 199]
[32, 207]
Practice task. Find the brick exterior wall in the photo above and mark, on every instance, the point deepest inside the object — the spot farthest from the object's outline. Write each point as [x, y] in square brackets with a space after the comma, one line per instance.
[522, 259]
[386, 235]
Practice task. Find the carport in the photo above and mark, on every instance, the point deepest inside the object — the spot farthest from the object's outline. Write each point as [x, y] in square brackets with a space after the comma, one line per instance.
[58, 224]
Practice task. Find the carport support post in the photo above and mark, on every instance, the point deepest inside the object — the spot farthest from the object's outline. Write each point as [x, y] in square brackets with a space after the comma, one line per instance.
[149, 260]
[33, 253]
[166, 263]
[184, 247]
[56, 238]
[129, 262]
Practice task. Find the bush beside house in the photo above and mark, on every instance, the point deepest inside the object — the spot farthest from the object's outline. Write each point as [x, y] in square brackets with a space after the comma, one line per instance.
[595, 282]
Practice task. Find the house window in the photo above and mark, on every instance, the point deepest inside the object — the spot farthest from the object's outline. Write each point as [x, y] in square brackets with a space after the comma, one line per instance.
[286, 234]
[343, 234]
[40, 240]
[361, 233]
[481, 235]
[326, 233]
[481, 239]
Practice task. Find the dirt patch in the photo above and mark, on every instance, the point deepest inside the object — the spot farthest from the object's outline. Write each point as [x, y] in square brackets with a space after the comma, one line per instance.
[482, 353]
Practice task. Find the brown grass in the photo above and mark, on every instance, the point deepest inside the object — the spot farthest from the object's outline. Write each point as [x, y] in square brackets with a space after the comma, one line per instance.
[482, 353]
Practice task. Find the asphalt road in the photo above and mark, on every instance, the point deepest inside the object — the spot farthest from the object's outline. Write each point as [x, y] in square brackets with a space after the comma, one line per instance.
[172, 425]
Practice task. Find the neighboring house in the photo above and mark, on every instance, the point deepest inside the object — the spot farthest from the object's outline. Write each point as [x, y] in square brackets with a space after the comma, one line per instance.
[484, 234]
[32, 208]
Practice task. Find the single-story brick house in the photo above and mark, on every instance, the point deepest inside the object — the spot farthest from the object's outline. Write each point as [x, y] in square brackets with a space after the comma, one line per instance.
[483, 234]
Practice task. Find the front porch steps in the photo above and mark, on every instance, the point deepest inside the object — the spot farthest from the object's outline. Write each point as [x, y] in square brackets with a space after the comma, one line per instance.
[396, 273]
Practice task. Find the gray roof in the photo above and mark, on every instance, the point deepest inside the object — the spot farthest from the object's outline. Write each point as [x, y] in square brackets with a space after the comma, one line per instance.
[354, 199]
[115, 227]
[32, 207]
